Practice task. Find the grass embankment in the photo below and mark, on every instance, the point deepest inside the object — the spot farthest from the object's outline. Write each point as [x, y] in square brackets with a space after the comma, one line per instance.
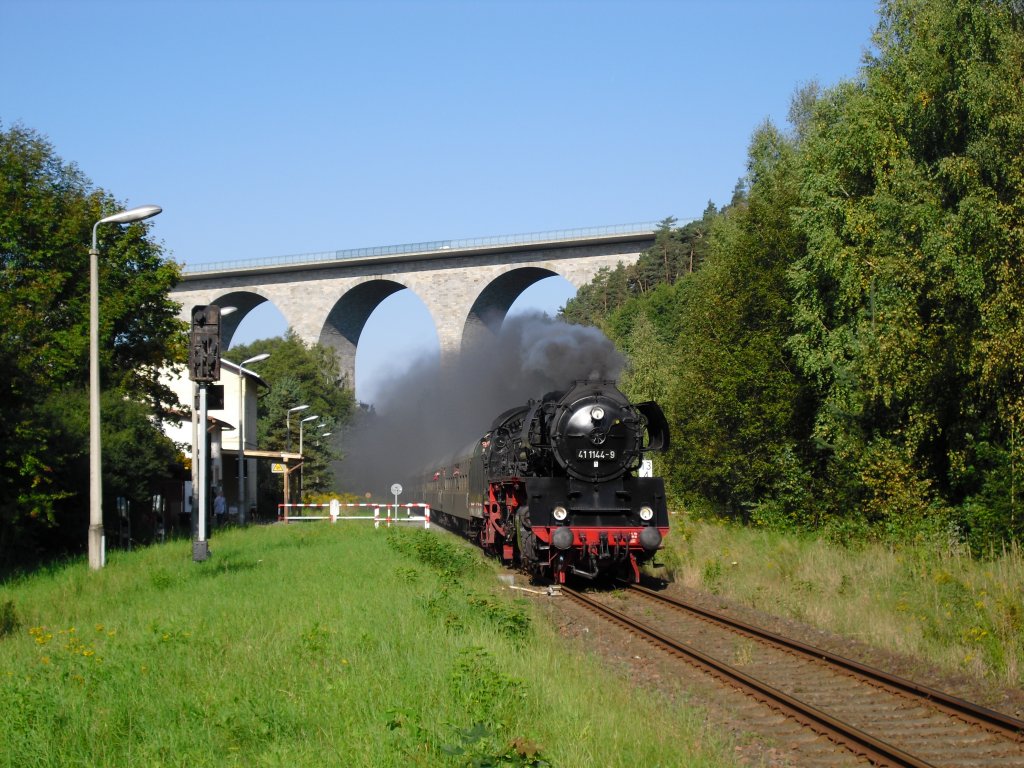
[312, 645]
[931, 600]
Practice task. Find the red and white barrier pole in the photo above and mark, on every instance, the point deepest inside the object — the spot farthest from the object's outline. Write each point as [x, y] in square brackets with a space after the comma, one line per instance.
[391, 513]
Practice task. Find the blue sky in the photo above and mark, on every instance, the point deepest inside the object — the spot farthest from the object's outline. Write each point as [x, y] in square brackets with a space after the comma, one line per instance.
[272, 128]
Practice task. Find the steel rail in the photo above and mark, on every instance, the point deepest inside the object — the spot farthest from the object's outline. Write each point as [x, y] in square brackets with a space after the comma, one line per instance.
[859, 742]
[989, 719]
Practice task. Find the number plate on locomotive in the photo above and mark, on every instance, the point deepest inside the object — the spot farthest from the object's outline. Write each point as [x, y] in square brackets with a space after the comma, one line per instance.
[592, 454]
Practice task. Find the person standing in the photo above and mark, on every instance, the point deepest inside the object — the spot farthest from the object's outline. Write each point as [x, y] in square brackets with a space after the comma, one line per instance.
[220, 509]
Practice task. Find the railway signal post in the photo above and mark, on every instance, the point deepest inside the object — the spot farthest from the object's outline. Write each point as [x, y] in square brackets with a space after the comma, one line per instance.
[204, 369]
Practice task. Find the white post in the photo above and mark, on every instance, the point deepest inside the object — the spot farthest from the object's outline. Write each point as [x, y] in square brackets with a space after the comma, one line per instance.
[242, 515]
[97, 541]
[200, 548]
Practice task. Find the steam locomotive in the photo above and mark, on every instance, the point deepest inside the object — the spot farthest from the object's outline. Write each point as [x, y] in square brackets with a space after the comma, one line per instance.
[553, 487]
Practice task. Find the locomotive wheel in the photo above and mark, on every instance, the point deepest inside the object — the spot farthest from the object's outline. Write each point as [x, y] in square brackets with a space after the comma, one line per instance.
[526, 546]
[628, 571]
[526, 541]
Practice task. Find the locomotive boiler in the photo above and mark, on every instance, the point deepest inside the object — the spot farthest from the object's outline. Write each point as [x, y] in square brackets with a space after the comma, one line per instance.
[555, 486]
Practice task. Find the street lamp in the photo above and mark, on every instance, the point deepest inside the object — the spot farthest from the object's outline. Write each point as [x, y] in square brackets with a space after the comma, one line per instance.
[288, 422]
[303, 460]
[96, 542]
[308, 418]
[325, 434]
[288, 427]
[241, 433]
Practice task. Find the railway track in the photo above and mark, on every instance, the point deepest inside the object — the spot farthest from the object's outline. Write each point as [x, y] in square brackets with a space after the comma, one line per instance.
[877, 716]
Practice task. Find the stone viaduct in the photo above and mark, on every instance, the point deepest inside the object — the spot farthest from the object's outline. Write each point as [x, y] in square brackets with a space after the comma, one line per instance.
[467, 285]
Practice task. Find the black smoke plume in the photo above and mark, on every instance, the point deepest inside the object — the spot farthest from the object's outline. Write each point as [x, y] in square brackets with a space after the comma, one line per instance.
[436, 411]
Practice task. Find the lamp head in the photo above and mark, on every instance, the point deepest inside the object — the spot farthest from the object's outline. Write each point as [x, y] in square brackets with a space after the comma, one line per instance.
[132, 214]
[256, 359]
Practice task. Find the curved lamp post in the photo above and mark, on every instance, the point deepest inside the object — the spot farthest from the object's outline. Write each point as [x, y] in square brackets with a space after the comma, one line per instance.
[96, 542]
[288, 422]
[303, 421]
[242, 511]
[288, 427]
[318, 438]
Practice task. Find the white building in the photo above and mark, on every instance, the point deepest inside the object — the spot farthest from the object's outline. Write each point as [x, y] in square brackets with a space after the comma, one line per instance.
[239, 406]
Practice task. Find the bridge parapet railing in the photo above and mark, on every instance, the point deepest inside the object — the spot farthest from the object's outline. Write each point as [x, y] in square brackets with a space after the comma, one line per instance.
[431, 246]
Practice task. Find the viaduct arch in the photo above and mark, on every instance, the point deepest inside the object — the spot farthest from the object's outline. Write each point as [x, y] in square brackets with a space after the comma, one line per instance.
[467, 286]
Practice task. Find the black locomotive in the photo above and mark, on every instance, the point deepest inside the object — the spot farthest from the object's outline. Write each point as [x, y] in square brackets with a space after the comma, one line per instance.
[553, 485]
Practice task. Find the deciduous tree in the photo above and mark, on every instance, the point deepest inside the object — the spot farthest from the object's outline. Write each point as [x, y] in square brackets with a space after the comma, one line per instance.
[910, 297]
[47, 210]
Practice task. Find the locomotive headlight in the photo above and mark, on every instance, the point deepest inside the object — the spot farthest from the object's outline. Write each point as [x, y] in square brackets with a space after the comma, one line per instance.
[597, 413]
[646, 514]
[560, 513]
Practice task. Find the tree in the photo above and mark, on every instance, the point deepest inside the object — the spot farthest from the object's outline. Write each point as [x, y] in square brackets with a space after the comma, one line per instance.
[851, 351]
[676, 252]
[47, 210]
[597, 299]
[910, 298]
[738, 410]
[299, 374]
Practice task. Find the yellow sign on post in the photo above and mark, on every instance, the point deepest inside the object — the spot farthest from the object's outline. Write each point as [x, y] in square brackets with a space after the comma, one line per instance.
[278, 469]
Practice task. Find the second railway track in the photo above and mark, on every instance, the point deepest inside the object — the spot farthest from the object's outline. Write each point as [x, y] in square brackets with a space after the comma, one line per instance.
[880, 717]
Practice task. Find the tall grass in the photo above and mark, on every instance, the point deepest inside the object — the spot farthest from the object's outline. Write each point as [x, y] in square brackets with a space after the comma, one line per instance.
[307, 646]
[932, 600]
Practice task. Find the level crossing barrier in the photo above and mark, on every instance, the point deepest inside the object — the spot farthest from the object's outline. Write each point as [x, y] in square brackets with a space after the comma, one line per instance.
[381, 513]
